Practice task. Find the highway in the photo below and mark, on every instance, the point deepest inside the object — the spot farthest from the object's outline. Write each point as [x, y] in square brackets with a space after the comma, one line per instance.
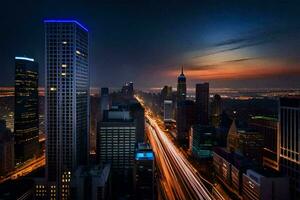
[25, 169]
[180, 180]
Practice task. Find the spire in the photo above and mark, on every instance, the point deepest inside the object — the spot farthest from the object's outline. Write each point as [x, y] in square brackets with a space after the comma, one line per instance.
[182, 69]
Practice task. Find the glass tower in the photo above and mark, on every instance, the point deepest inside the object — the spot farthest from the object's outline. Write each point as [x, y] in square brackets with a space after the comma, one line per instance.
[67, 101]
[26, 109]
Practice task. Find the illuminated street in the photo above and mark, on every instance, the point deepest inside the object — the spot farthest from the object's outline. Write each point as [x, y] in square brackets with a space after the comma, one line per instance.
[25, 169]
[180, 179]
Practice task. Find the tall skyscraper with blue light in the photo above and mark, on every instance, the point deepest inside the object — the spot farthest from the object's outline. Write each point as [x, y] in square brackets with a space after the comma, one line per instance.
[67, 101]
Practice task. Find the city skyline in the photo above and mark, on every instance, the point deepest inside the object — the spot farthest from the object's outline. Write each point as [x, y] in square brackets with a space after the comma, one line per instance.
[227, 44]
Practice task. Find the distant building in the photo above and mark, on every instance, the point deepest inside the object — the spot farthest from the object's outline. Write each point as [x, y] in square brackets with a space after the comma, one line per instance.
[202, 103]
[116, 137]
[181, 87]
[216, 110]
[26, 128]
[144, 172]
[268, 127]
[91, 183]
[94, 112]
[104, 102]
[168, 111]
[67, 101]
[166, 93]
[261, 185]
[7, 162]
[202, 141]
[127, 90]
[185, 118]
[289, 132]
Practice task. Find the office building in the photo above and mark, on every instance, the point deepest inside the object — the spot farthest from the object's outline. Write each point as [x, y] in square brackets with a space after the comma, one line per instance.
[104, 102]
[216, 110]
[116, 137]
[289, 120]
[263, 185]
[232, 138]
[127, 90]
[91, 182]
[166, 93]
[181, 87]
[185, 118]
[144, 172]
[168, 111]
[202, 103]
[268, 127]
[137, 112]
[7, 162]
[202, 141]
[94, 112]
[26, 127]
[67, 101]
[251, 144]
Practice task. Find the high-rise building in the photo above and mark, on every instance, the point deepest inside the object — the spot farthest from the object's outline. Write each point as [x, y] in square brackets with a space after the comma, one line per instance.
[185, 118]
[91, 182]
[26, 128]
[289, 138]
[94, 113]
[202, 141]
[268, 127]
[67, 101]
[127, 90]
[181, 87]
[104, 101]
[166, 93]
[232, 138]
[144, 172]
[137, 112]
[116, 137]
[202, 102]
[216, 110]
[168, 111]
[7, 162]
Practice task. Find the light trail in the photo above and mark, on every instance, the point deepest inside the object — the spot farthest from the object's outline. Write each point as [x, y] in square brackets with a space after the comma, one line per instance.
[25, 169]
[179, 178]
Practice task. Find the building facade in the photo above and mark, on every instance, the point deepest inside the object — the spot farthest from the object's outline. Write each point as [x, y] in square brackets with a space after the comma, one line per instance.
[168, 111]
[7, 155]
[268, 127]
[202, 141]
[26, 127]
[202, 103]
[143, 175]
[216, 110]
[67, 101]
[289, 138]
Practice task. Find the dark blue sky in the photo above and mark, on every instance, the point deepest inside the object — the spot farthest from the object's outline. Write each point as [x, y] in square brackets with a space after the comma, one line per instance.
[228, 43]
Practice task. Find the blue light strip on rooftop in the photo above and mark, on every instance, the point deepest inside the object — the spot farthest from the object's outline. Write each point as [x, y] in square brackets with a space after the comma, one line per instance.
[144, 156]
[65, 21]
[24, 58]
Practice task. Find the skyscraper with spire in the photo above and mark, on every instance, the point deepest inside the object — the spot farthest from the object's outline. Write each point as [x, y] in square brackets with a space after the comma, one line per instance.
[181, 87]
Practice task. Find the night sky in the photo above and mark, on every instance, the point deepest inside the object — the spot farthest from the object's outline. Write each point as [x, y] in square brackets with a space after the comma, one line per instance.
[227, 43]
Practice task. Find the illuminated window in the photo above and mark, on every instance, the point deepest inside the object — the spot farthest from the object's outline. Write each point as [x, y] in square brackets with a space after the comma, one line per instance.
[63, 74]
[52, 89]
[64, 42]
[64, 65]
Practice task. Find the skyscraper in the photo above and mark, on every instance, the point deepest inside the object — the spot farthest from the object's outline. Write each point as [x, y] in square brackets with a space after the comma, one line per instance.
[202, 102]
[67, 101]
[181, 87]
[26, 109]
[185, 118]
[289, 138]
[7, 162]
[104, 104]
[268, 127]
[216, 110]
